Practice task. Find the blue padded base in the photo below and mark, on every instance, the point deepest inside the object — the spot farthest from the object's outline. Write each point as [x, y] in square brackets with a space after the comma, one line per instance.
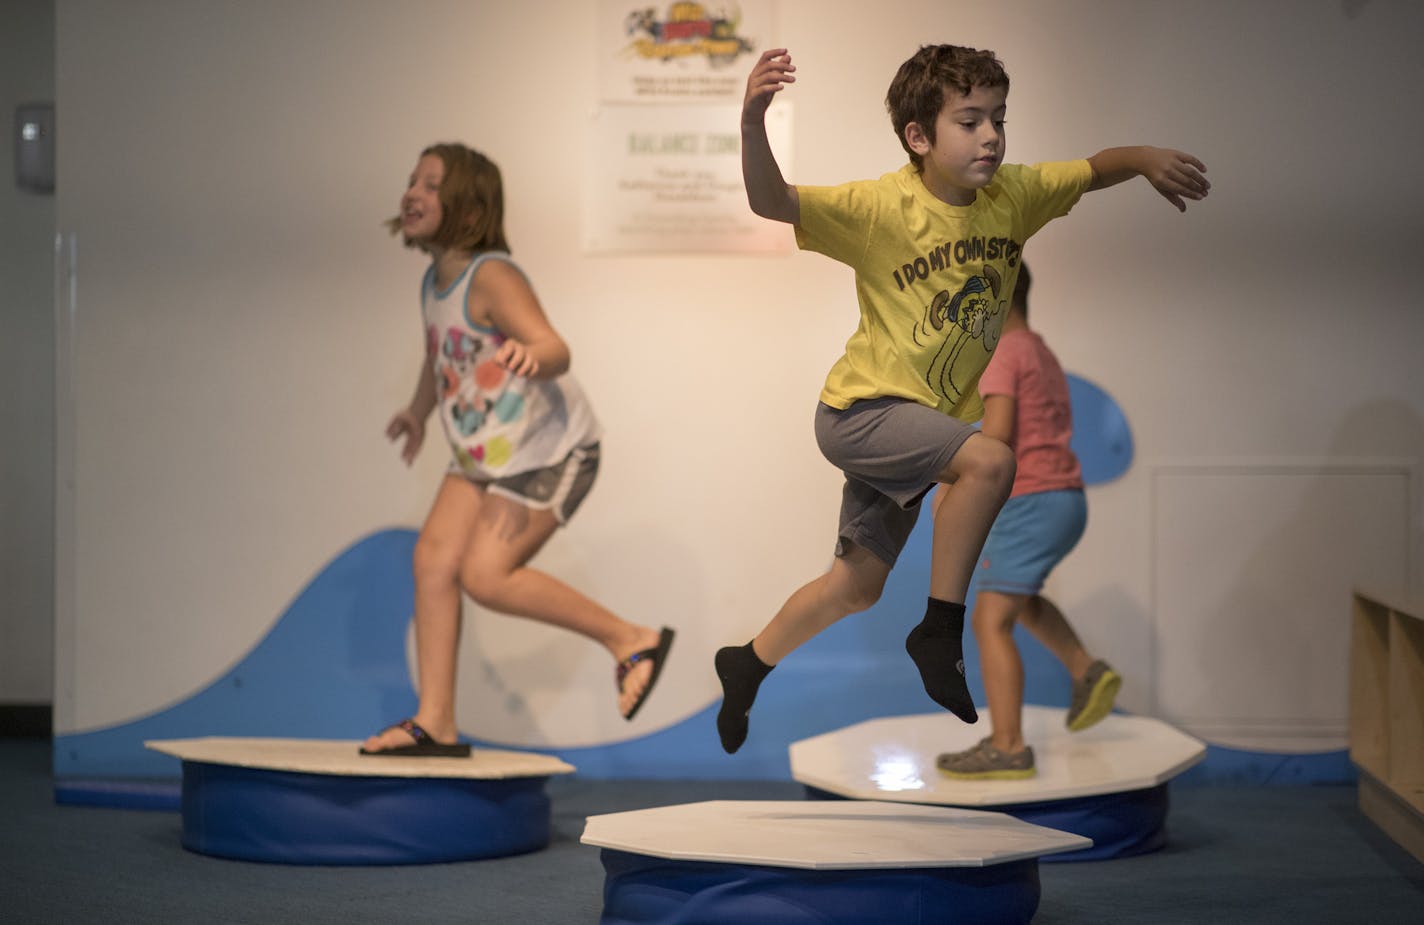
[1121, 825]
[643, 890]
[289, 817]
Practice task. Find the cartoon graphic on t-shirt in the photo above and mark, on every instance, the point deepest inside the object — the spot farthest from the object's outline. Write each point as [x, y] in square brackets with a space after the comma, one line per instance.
[975, 312]
[455, 369]
[475, 390]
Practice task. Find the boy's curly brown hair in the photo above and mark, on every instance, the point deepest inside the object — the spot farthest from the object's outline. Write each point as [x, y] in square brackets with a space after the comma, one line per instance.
[918, 90]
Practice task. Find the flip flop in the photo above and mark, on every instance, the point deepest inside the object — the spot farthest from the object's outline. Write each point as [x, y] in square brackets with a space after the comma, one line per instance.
[658, 655]
[424, 745]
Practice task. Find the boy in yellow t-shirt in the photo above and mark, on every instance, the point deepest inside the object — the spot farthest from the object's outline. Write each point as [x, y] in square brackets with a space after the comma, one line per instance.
[935, 247]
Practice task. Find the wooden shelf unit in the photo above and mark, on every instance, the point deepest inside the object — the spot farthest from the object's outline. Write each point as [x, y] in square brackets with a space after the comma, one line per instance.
[1387, 713]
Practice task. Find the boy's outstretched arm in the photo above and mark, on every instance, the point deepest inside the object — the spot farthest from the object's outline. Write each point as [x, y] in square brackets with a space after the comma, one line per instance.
[768, 193]
[1175, 174]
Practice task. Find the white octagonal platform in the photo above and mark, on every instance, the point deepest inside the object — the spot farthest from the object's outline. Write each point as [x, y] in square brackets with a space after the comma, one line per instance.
[893, 759]
[341, 757]
[319, 801]
[826, 836]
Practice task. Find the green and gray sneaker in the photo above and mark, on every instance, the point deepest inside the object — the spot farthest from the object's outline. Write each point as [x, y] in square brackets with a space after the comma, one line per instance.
[985, 762]
[1093, 696]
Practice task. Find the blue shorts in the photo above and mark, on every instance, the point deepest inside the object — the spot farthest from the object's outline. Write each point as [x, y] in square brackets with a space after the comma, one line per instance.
[1031, 535]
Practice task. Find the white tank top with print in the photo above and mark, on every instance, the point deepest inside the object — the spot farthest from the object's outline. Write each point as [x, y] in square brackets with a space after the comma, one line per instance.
[498, 424]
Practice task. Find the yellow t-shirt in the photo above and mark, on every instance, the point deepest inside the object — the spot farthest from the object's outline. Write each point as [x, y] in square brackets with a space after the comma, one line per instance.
[933, 280]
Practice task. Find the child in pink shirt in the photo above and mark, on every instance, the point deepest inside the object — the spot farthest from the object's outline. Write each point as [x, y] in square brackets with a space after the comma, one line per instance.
[1026, 406]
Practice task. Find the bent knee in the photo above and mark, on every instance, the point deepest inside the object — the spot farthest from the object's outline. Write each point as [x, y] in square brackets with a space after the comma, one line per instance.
[996, 612]
[484, 585]
[852, 595]
[989, 462]
[435, 562]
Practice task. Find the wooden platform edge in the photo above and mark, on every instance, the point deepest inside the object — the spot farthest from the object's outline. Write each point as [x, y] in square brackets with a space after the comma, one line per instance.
[1394, 816]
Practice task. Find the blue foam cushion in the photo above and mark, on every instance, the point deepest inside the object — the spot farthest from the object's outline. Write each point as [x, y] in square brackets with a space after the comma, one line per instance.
[290, 817]
[644, 890]
[1120, 824]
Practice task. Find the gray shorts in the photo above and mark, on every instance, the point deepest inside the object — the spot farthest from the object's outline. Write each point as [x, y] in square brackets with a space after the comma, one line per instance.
[891, 450]
[560, 488]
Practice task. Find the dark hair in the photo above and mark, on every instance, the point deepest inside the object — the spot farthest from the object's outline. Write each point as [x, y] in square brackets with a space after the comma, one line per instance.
[1019, 299]
[471, 202]
[917, 92]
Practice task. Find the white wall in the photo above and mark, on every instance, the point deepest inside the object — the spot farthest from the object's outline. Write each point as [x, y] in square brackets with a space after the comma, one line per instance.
[245, 328]
[26, 373]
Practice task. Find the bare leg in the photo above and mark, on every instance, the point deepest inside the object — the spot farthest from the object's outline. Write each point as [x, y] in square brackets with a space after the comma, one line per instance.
[436, 567]
[1048, 625]
[506, 535]
[853, 584]
[994, 617]
[481, 542]
[975, 485]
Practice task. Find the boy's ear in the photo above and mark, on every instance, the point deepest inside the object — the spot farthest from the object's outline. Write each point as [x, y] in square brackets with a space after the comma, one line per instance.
[917, 140]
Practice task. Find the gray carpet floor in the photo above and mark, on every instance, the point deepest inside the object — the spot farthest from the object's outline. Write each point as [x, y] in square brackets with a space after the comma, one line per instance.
[1247, 855]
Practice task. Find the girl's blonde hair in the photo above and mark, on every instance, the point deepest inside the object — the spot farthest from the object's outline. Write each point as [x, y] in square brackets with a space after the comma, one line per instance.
[471, 202]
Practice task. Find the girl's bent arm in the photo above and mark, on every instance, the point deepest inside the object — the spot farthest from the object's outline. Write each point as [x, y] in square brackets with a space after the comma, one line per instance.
[409, 422]
[423, 402]
[533, 348]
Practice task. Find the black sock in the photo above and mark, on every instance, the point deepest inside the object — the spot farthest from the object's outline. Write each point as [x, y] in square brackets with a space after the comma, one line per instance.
[937, 649]
[741, 673]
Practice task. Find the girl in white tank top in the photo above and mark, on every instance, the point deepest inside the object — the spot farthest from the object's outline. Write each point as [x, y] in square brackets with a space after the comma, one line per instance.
[498, 423]
[525, 449]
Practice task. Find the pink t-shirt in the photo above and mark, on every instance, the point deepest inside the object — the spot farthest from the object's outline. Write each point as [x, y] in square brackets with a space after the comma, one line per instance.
[1024, 369]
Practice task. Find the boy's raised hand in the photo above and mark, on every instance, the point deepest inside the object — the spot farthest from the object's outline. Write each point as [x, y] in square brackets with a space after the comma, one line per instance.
[1176, 175]
[772, 71]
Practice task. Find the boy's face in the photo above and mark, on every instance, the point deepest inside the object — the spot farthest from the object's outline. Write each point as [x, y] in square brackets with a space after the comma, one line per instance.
[968, 144]
[420, 212]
